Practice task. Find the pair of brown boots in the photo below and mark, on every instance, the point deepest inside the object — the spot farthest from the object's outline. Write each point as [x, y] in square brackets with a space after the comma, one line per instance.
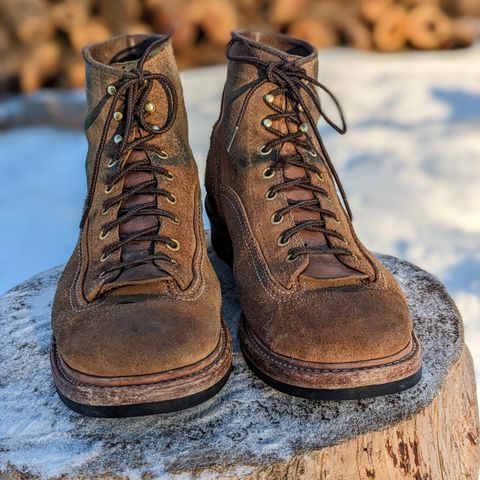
[136, 320]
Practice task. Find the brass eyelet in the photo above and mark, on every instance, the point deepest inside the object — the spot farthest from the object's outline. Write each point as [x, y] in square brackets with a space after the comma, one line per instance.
[105, 212]
[169, 176]
[108, 190]
[173, 262]
[111, 90]
[275, 220]
[175, 220]
[319, 177]
[267, 123]
[328, 199]
[112, 162]
[104, 257]
[291, 258]
[163, 155]
[269, 195]
[172, 199]
[103, 274]
[268, 172]
[265, 152]
[313, 153]
[336, 220]
[344, 241]
[118, 116]
[269, 98]
[103, 235]
[354, 256]
[281, 242]
[176, 245]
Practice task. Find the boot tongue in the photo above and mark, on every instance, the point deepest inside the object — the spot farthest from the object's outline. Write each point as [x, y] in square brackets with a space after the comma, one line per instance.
[136, 250]
[319, 266]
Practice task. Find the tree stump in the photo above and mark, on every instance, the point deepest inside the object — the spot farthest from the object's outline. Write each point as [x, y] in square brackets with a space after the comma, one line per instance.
[429, 432]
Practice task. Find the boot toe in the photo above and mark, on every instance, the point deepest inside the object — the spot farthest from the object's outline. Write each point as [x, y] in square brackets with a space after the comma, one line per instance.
[132, 339]
[342, 327]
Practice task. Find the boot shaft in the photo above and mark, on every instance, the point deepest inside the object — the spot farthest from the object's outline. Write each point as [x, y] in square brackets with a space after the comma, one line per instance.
[112, 63]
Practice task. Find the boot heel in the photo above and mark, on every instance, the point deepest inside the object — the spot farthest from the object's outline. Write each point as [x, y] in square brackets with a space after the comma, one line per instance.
[221, 241]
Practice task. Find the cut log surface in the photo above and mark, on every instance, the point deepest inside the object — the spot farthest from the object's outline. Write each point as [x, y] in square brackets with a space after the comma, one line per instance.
[429, 432]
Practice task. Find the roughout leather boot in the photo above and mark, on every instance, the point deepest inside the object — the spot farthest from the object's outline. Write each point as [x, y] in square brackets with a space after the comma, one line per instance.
[136, 318]
[322, 318]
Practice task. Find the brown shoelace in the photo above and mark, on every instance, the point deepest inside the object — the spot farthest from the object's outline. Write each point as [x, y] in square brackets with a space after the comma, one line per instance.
[292, 79]
[134, 88]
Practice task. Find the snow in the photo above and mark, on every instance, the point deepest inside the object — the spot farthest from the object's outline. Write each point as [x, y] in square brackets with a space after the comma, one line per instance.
[410, 164]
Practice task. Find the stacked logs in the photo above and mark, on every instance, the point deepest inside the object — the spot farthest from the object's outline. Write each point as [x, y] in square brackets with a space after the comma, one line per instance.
[41, 40]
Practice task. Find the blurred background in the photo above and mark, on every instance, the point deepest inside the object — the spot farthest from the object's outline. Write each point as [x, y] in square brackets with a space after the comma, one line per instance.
[41, 40]
[407, 73]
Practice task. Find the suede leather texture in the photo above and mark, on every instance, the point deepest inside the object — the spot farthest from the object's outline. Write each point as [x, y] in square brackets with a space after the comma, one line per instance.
[346, 308]
[152, 317]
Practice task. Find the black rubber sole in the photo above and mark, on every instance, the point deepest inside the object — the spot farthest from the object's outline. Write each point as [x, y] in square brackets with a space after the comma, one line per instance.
[337, 394]
[120, 411]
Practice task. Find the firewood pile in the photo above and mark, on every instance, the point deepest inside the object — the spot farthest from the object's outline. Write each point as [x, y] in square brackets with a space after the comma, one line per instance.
[41, 40]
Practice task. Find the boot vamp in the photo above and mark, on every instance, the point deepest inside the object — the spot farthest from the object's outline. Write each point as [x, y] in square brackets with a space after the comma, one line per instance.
[336, 325]
[135, 335]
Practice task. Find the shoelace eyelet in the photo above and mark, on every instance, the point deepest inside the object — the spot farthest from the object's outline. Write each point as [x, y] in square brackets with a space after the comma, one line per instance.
[103, 235]
[267, 123]
[291, 258]
[319, 177]
[175, 246]
[106, 211]
[112, 162]
[111, 90]
[264, 151]
[269, 195]
[268, 173]
[313, 153]
[281, 242]
[108, 189]
[103, 274]
[104, 257]
[163, 155]
[269, 98]
[276, 220]
[169, 176]
[118, 116]
[175, 221]
[172, 199]
[344, 241]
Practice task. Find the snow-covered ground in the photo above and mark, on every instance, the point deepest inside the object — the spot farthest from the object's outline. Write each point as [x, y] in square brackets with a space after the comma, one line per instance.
[410, 164]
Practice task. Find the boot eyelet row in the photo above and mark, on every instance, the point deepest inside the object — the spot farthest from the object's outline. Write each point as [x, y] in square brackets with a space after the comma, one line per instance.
[264, 151]
[281, 242]
[176, 245]
[268, 173]
[104, 257]
[276, 220]
[269, 196]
